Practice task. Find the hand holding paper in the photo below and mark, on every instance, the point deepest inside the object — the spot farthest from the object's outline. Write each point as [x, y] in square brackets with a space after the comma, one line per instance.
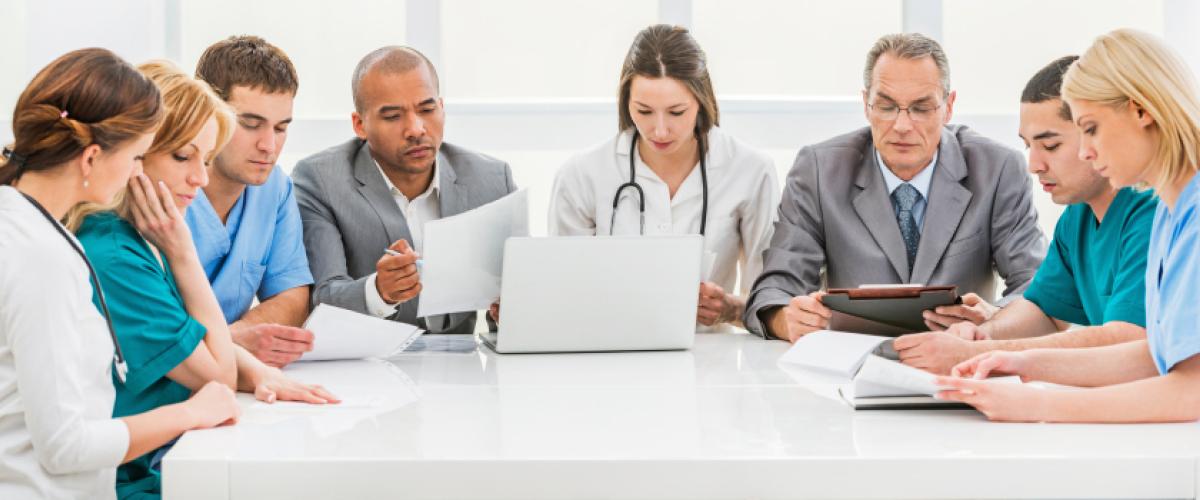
[464, 254]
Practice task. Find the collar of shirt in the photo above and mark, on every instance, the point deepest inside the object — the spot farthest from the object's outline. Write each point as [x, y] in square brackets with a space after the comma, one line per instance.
[431, 192]
[921, 181]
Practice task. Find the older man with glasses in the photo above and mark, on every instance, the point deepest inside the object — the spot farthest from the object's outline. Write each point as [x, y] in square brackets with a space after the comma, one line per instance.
[909, 199]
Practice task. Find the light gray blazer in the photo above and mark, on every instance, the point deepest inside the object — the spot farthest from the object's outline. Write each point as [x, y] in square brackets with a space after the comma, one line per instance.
[837, 227]
[350, 217]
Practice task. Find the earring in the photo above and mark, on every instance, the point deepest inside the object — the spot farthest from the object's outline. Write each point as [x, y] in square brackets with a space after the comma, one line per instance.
[85, 183]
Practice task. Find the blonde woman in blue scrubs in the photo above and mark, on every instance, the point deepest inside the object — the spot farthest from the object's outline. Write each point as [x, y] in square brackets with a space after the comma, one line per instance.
[1137, 107]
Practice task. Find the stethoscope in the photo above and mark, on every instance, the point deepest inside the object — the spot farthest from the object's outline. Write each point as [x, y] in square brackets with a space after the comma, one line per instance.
[118, 356]
[642, 194]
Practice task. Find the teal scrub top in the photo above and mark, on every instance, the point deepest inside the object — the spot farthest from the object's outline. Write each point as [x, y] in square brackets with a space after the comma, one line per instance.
[152, 325]
[1095, 273]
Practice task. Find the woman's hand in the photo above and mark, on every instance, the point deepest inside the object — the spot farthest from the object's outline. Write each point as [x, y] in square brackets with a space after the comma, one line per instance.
[158, 219]
[213, 405]
[998, 400]
[272, 385]
[716, 306]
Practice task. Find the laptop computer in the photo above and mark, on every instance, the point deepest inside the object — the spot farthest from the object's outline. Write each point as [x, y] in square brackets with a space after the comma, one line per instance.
[598, 293]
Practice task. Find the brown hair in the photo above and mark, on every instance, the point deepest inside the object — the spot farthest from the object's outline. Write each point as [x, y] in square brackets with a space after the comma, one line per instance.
[670, 51]
[248, 61]
[189, 104]
[85, 97]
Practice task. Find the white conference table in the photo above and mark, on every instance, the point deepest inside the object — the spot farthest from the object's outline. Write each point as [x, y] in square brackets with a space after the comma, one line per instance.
[722, 420]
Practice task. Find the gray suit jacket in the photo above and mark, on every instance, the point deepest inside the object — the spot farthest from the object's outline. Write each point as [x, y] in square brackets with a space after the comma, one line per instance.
[837, 227]
[350, 218]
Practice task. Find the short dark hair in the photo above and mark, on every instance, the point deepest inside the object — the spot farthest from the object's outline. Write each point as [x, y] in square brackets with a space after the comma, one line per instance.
[1046, 85]
[249, 61]
[392, 59]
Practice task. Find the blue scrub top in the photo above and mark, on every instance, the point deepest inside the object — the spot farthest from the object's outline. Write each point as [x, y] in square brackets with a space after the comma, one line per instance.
[1173, 280]
[258, 250]
[1095, 273]
[152, 325]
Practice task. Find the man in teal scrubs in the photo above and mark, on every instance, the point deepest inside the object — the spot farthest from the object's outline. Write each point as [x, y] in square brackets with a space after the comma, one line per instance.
[245, 222]
[1094, 271]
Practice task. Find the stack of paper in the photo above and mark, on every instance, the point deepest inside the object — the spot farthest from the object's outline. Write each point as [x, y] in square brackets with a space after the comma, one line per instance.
[342, 334]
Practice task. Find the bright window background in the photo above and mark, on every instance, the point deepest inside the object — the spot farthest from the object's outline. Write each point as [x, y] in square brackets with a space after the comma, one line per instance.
[994, 47]
[537, 48]
[783, 47]
[324, 43]
[533, 81]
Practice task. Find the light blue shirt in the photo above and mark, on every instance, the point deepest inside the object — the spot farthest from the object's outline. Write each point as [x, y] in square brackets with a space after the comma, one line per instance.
[259, 250]
[921, 182]
[1173, 280]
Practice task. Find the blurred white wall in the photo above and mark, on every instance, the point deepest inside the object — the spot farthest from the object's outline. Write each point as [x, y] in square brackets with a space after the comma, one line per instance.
[533, 81]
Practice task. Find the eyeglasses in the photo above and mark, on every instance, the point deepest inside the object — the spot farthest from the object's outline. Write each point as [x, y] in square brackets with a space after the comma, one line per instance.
[889, 111]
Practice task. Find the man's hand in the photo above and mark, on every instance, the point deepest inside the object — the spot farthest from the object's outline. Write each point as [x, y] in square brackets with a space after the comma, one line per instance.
[801, 316]
[935, 352]
[275, 345]
[396, 278]
[973, 309]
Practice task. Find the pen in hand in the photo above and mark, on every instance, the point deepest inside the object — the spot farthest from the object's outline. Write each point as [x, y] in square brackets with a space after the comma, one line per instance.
[420, 262]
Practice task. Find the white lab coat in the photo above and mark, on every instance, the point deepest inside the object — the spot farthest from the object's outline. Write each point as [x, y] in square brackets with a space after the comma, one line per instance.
[57, 433]
[743, 197]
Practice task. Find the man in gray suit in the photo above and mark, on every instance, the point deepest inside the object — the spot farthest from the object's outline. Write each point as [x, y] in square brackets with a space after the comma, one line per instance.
[376, 191]
[908, 199]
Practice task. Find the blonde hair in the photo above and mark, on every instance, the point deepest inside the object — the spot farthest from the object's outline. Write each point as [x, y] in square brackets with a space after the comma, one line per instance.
[189, 104]
[1126, 66]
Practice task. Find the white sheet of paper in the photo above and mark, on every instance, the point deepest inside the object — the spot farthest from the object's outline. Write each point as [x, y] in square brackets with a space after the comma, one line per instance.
[464, 255]
[840, 353]
[707, 263]
[343, 334]
[884, 377]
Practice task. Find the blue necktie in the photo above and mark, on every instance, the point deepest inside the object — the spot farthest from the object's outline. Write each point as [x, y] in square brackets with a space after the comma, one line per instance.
[904, 197]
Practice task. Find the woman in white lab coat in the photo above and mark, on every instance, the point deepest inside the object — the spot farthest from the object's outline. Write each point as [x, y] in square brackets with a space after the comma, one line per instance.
[80, 128]
[695, 178]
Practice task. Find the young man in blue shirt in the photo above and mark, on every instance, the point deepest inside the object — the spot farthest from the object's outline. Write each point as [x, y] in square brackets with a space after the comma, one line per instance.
[1094, 271]
[245, 222]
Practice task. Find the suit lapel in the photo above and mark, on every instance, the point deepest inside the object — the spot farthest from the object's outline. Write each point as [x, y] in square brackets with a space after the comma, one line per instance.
[453, 199]
[874, 208]
[944, 210]
[373, 188]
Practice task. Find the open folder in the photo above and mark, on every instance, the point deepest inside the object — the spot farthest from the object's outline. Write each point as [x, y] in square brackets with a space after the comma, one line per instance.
[885, 310]
[872, 380]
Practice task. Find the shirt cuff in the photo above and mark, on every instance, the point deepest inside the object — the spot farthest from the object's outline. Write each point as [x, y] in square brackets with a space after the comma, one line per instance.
[375, 304]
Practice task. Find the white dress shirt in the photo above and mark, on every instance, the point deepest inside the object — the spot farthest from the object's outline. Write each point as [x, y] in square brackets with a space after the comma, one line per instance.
[57, 435]
[743, 196]
[425, 207]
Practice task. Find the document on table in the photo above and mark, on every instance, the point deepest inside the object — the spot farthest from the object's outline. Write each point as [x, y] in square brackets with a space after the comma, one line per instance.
[839, 353]
[464, 255]
[344, 334]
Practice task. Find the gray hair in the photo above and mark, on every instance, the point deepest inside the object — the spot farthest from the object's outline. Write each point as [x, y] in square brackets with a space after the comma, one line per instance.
[908, 46]
[392, 59]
